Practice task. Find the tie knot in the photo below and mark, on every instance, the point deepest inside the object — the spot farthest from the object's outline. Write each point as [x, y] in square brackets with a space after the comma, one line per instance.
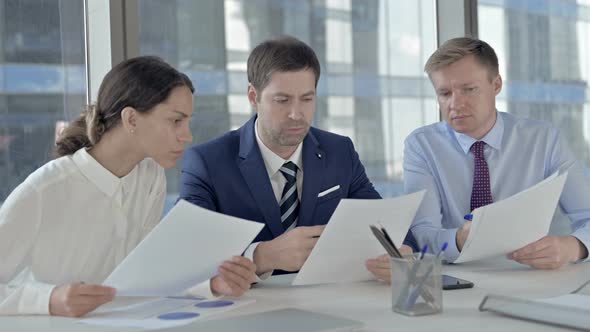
[289, 171]
[477, 149]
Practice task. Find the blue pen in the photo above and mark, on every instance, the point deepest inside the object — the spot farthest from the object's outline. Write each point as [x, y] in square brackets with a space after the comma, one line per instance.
[411, 300]
[468, 217]
[415, 266]
[423, 251]
[411, 276]
[442, 249]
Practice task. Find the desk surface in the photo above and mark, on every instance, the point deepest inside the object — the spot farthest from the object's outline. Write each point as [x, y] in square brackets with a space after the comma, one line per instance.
[369, 302]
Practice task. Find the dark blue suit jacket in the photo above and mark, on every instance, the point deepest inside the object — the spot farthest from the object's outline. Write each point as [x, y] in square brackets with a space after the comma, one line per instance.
[228, 175]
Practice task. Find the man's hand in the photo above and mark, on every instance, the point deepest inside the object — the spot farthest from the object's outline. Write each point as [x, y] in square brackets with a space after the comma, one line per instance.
[550, 252]
[234, 278]
[462, 234]
[380, 266]
[78, 299]
[287, 252]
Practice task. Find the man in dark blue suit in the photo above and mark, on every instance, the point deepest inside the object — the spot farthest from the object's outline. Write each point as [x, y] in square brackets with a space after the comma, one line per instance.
[277, 169]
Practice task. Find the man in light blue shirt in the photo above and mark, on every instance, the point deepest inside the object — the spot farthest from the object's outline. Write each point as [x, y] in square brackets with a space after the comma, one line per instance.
[519, 153]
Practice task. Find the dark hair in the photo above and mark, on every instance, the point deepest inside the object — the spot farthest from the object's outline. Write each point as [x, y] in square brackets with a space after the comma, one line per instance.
[456, 49]
[281, 54]
[141, 82]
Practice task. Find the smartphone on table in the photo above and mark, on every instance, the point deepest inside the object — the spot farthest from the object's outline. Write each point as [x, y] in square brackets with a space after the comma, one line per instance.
[450, 282]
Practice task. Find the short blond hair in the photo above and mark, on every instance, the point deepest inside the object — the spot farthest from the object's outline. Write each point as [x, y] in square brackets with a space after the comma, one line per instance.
[456, 49]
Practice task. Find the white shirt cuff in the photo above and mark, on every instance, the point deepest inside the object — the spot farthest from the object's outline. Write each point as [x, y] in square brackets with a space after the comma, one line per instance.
[449, 236]
[31, 298]
[585, 240]
[249, 253]
[37, 297]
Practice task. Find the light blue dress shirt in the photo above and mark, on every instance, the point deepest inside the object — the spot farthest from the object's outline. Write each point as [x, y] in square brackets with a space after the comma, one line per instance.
[519, 153]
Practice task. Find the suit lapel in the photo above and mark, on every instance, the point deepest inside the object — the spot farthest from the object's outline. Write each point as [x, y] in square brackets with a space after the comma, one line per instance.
[313, 171]
[254, 172]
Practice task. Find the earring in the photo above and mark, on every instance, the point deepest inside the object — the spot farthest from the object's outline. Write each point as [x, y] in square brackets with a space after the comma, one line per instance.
[133, 131]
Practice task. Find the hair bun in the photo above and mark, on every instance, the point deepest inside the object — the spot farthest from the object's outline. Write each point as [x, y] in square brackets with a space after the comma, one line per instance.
[95, 124]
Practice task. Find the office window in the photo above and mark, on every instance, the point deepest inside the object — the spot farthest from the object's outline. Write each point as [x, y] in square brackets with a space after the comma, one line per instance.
[543, 51]
[42, 81]
[372, 87]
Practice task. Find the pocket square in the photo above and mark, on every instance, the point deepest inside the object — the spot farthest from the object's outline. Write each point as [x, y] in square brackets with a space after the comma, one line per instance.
[327, 191]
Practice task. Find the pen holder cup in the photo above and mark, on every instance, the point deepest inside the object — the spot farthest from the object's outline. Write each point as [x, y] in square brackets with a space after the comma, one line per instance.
[416, 285]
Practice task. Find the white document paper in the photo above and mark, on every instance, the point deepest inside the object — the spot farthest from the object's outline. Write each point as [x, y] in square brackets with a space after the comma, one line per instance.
[183, 250]
[575, 301]
[159, 312]
[347, 241]
[510, 224]
[569, 310]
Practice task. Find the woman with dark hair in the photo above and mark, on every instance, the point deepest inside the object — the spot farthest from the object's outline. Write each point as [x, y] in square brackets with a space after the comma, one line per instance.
[72, 221]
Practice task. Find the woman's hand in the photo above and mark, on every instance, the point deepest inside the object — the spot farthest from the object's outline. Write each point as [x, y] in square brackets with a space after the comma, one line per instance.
[235, 277]
[78, 299]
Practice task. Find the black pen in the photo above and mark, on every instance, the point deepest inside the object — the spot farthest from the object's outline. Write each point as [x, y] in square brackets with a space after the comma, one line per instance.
[379, 235]
[390, 241]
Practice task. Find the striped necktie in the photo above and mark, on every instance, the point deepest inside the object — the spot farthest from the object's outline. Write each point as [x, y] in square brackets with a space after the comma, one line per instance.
[481, 193]
[289, 203]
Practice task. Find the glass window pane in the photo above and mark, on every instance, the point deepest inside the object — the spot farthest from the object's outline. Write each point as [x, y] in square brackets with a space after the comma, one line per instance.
[372, 88]
[42, 81]
[543, 47]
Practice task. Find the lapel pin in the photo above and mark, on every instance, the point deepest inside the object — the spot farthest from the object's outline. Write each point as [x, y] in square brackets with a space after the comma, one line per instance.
[319, 155]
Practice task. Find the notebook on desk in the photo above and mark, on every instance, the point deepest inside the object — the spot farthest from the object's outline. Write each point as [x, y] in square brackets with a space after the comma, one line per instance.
[284, 320]
[570, 310]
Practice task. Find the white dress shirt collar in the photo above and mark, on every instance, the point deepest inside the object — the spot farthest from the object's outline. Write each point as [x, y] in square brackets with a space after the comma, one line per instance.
[493, 138]
[101, 177]
[272, 161]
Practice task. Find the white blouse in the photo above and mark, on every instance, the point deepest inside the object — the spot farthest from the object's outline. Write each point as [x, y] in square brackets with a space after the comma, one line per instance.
[70, 221]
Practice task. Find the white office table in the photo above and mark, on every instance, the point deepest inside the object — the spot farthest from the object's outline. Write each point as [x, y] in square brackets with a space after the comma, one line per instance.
[370, 303]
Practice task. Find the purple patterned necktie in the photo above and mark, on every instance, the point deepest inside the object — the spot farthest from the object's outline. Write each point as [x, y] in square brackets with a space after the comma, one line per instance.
[481, 194]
